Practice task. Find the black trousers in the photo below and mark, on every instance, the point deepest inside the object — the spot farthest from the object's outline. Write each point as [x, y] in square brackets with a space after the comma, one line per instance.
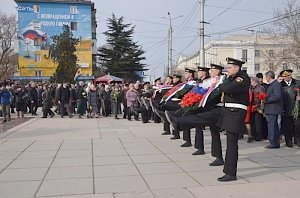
[231, 158]
[199, 139]
[287, 128]
[257, 125]
[210, 118]
[297, 130]
[47, 112]
[34, 106]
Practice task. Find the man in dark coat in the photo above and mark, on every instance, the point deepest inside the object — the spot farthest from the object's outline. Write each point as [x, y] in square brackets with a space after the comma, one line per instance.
[289, 85]
[47, 102]
[273, 108]
[64, 99]
[34, 98]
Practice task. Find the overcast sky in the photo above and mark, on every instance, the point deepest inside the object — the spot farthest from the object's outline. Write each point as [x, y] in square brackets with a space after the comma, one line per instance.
[151, 29]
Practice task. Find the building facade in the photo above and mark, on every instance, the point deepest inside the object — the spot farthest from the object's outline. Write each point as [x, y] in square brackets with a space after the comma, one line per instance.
[40, 20]
[261, 53]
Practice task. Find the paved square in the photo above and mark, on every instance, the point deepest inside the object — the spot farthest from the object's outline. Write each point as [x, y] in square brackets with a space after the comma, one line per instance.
[108, 158]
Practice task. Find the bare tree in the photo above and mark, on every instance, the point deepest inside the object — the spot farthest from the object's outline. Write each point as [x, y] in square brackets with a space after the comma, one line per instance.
[8, 59]
[285, 30]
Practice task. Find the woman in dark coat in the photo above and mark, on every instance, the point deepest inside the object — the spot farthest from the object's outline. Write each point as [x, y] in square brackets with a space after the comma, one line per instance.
[116, 101]
[47, 102]
[82, 100]
[20, 101]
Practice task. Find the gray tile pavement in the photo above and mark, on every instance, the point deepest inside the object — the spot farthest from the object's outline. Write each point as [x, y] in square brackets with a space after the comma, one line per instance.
[108, 158]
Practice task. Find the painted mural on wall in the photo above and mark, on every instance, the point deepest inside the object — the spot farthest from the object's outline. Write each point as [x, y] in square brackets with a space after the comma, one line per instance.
[38, 22]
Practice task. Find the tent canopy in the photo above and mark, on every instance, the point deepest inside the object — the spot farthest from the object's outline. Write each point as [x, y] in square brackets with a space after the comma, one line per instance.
[108, 78]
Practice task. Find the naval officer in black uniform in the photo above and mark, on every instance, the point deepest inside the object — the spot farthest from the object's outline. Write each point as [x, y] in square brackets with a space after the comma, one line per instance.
[236, 98]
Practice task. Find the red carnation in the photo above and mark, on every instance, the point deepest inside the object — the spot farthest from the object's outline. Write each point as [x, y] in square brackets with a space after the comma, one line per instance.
[261, 96]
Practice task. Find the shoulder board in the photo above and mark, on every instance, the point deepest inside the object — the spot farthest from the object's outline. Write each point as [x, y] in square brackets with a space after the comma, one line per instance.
[239, 79]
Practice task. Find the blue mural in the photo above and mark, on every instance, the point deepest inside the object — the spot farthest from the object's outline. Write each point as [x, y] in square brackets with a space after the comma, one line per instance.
[38, 22]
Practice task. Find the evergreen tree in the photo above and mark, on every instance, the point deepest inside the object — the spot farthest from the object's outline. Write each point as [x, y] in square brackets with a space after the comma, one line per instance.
[121, 56]
[65, 47]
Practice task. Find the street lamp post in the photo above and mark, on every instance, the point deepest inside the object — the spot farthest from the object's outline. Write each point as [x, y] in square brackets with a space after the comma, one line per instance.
[170, 42]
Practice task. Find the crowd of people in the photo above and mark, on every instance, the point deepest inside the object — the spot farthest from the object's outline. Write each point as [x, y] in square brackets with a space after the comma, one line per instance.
[234, 103]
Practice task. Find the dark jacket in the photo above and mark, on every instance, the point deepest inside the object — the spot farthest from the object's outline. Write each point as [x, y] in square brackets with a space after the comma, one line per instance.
[289, 97]
[33, 94]
[274, 101]
[235, 90]
[64, 95]
[47, 99]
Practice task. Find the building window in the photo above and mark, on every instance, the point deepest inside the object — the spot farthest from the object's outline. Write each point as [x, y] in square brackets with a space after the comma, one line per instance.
[271, 66]
[73, 10]
[36, 8]
[37, 42]
[284, 53]
[257, 67]
[256, 53]
[284, 66]
[271, 53]
[37, 58]
[74, 26]
[244, 55]
[38, 73]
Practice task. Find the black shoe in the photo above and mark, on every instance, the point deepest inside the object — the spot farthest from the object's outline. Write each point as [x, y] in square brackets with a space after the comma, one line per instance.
[52, 115]
[217, 162]
[186, 144]
[166, 133]
[298, 144]
[258, 139]
[117, 118]
[172, 120]
[43, 117]
[250, 139]
[272, 147]
[70, 116]
[199, 152]
[227, 178]
[241, 137]
[290, 145]
[175, 138]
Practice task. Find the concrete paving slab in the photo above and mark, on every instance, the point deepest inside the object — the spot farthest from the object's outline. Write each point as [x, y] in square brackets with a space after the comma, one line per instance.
[173, 180]
[115, 170]
[209, 178]
[173, 193]
[106, 195]
[28, 174]
[257, 175]
[144, 159]
[24, 189]
[9, 155]
[68, 162]
[79, 171]
[70, 172]
[273, 189]
[37, 154]
[120, 184]
[112, 160]
[179, 157]
[31, 163]
[199, 165]
[66, 187]
[74, 153]
[146, 194]
[158, 168]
